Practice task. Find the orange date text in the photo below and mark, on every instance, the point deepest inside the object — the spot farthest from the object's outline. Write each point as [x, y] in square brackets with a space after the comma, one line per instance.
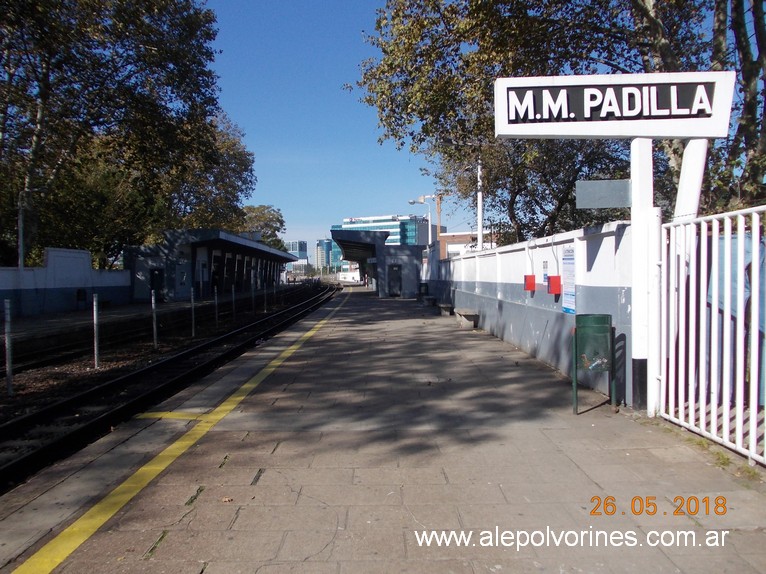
[647, 505]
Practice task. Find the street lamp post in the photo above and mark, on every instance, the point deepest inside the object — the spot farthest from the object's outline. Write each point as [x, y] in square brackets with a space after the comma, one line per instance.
[479, 209]
[479, 191]
[422, 199]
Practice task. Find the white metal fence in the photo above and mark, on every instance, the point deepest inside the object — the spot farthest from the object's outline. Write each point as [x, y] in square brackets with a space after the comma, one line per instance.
[713, 379]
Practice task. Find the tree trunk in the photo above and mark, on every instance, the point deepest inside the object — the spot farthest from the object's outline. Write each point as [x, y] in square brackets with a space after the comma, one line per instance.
[35, 148]
[750, 131]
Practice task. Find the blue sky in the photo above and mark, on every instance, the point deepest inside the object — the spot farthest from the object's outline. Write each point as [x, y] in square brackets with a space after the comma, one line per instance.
[317, 157]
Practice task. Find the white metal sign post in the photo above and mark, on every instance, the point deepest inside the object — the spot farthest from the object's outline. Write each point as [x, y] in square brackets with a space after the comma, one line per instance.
[641, 107]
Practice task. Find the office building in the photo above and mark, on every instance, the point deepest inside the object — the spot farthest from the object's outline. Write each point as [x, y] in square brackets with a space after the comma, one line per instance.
[402, 229]
[300, 250]
[297, 248]
[323, 255]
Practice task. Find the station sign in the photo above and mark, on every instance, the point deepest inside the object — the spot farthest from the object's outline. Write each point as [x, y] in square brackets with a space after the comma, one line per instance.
[661, 105]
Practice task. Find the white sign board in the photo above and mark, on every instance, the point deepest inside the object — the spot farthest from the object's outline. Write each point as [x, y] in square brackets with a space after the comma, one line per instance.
[569, 278]
[662, 105]
[602, 194]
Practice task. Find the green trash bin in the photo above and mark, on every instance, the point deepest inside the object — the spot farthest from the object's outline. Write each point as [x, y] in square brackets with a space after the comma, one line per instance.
[593, 350]
[594, 342]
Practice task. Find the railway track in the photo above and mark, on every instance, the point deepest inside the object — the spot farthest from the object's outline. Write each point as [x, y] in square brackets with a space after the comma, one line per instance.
[79, 341]
[30, 442]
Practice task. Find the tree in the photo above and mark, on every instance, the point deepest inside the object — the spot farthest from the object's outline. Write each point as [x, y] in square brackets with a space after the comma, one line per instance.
[531, 185]
[747, 149]
[208, 187]
[95, 204]
[432, 86]
[76, 69]
[105, 198]
[266, 220]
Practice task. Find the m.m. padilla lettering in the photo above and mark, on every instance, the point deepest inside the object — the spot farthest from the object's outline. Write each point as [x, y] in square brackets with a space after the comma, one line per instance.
[690, 105]
[610, 102]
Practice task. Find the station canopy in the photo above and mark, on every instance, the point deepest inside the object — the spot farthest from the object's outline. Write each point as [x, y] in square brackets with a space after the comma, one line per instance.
[359, 246]
[230, 242]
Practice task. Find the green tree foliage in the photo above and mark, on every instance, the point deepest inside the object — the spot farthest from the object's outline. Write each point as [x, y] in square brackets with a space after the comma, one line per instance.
[109, 124]
[747, 149]
[530, 184]
[95, 204]
[266, 220]
[432, 86]
[102, 203]
[208, 187]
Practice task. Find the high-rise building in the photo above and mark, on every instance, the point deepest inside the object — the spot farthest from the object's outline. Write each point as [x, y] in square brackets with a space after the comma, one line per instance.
[299, 249]
[327, 256]
[322, 253]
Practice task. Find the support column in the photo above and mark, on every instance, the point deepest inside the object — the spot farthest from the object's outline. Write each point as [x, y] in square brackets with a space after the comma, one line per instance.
[690, 181]
[645, 319]
[654, 304]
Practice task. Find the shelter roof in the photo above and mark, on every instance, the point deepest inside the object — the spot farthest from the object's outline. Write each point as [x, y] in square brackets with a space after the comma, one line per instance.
[218, 239]
[359, 245]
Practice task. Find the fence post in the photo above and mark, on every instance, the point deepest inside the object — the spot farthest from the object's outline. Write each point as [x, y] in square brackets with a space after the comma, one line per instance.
[215, 300]
[95, 331]
[154, 320]
[8, 349]
[192, 313]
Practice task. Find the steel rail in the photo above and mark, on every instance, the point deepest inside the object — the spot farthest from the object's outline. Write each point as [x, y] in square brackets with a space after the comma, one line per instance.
[132, 330]
[34, 440]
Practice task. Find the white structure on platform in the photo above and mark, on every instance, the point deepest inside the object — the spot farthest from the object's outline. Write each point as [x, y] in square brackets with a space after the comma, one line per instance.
[711, 305]
[65, 282]
[689, 105]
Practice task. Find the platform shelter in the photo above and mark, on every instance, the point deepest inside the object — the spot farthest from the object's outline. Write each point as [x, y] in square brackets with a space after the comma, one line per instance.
[391, 270]
[204, 259]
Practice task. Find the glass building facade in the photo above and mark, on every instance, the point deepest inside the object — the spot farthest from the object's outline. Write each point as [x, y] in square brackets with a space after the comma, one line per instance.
[300, 250]
[297, 248]
[402, 229]
[322, 253]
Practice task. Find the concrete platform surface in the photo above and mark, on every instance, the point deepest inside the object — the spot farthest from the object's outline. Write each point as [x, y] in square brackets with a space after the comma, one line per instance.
[377, 436]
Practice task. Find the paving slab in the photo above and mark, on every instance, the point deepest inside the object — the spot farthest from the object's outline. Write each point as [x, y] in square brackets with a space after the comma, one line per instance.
[387, 439]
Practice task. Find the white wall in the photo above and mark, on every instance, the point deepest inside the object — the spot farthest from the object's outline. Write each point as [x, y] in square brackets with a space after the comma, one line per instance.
[492, 283]
[54, 287]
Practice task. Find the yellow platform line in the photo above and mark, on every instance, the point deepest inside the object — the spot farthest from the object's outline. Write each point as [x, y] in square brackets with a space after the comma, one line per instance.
[58, 549]
[176, 415]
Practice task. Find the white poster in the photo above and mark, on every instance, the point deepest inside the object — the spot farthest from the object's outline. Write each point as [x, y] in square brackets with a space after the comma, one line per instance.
[568, 277]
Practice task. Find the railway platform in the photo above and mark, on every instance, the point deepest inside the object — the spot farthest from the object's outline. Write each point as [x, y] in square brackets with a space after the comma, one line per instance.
[377, 436]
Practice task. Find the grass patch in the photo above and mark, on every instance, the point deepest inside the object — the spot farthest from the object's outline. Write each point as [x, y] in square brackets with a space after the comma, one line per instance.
[722, 459]
[699, 442]
[748, 472]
